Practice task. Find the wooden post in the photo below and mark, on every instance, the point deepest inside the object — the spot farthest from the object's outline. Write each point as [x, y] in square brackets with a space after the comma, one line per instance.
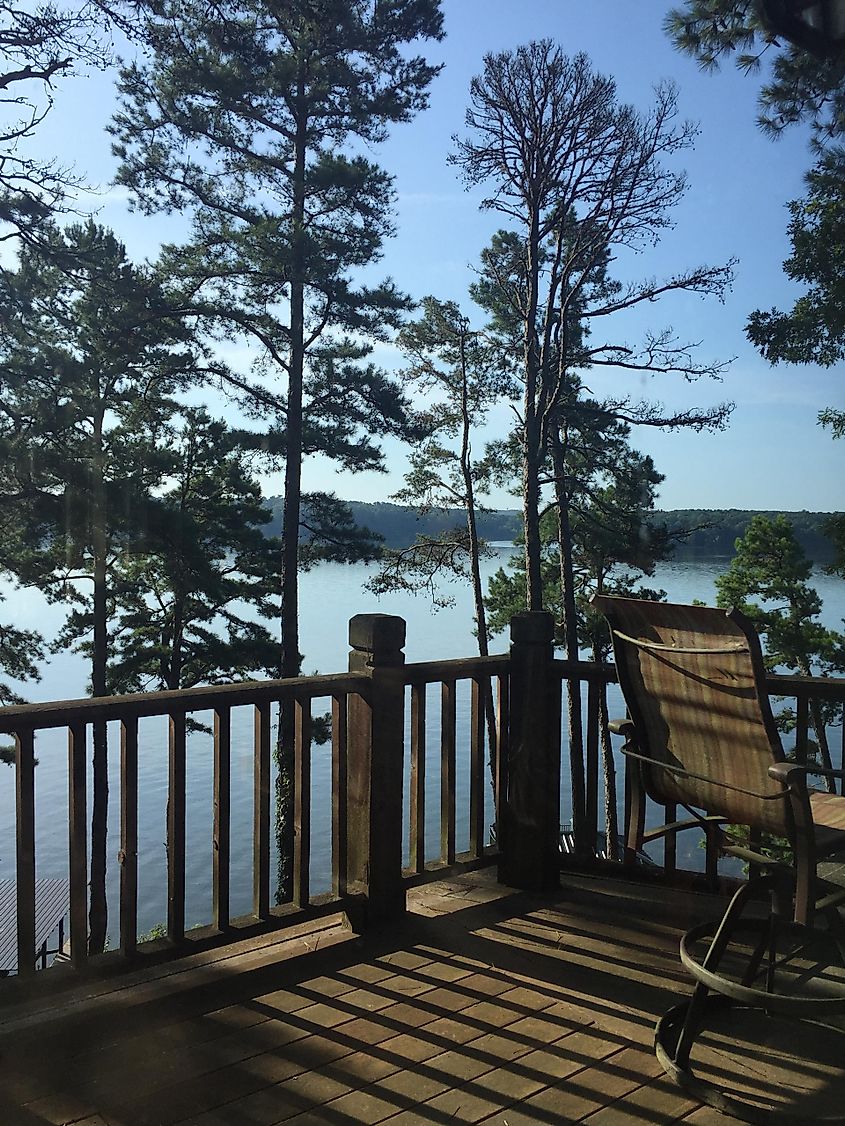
[376, 732]
[530, 829]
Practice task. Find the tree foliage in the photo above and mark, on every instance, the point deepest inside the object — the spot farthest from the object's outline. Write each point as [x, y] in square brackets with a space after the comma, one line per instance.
[617, 539]
[798, 86]
[20, 652]
[801, 86]
[41, 43]
[769, 581]
[813, 330]
[179, 619]
[462, 376]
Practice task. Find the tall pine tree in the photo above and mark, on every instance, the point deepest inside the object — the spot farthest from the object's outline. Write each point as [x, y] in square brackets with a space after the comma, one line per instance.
[251, 116]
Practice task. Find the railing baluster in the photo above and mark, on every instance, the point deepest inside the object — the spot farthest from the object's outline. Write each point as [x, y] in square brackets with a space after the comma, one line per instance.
[128, 836]
[176, 829]
[302, 804]
[670, 841]
[417, 780]
[78, 843]
[591, 767]
[711, 861]
[25, 810]
[222, 817]
[480, 692]
[340, 779]
[261, 814]
[502, 739]
[447, 772]
[842, 752]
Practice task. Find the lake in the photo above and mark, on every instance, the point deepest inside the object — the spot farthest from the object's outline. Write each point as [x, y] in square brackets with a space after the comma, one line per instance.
[330, 595]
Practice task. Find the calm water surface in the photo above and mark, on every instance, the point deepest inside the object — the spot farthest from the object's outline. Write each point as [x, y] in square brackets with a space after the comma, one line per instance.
[330, 595]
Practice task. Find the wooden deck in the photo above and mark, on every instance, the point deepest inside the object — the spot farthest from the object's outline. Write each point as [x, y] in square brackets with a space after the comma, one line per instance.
[485, 1006]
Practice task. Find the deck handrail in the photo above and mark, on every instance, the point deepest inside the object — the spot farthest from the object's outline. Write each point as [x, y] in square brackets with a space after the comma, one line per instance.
[62, 713]
[831, 688]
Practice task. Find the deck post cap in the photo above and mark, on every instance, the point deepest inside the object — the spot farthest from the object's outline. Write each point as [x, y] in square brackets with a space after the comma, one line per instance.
[377, 631]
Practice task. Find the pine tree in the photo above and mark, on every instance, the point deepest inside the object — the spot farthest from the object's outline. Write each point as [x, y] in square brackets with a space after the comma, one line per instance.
[800, 85]
[248, 117]
[462, 376]
[813, 330]
[90, 355]
[178, 621]
[769, 581]
[574, 330]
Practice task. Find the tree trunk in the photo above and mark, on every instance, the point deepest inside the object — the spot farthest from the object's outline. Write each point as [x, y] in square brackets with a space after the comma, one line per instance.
[98, 908]
[817, 720]
[570, 633]
[532, 432]
[817, 723]
[291, 657]
[475, 562]
[174, 670]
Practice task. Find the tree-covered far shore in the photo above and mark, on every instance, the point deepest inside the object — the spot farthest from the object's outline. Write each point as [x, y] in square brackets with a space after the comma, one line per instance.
[712, 532]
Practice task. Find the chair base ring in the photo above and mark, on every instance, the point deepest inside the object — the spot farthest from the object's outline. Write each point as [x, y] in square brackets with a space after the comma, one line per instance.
[666, 1034]
[805, 1006]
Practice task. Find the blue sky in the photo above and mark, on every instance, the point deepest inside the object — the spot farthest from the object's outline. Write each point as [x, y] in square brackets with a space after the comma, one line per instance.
[773, 455]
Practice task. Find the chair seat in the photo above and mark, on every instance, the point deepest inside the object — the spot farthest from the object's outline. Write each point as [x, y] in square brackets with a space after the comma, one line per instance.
[829, 819]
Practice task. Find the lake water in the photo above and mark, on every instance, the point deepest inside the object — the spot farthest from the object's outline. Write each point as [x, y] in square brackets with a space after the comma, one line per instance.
[330, 595]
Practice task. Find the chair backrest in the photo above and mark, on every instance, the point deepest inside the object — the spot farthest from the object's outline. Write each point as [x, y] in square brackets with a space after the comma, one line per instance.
[694, 682]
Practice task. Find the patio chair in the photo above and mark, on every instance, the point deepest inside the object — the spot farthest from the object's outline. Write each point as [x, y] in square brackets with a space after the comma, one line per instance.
[700, 734]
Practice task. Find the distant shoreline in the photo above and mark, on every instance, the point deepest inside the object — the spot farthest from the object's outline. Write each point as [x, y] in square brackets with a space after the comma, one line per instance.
[713, 536]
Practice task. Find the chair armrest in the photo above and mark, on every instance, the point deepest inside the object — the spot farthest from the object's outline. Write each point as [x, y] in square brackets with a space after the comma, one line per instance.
[788, 772]
[624, 727]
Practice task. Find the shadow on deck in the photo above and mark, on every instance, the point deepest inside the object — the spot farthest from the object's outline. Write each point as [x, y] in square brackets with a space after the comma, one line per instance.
[484, 1006]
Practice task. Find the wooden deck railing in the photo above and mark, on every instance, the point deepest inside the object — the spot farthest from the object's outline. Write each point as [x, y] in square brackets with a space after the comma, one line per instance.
[488, 725]
[491, 775]
[77, 717]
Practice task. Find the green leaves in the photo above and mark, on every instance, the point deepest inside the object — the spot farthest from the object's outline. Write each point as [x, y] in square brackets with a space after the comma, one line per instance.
[798, 88]
[813, 331]
[178, 617]
[769, 580]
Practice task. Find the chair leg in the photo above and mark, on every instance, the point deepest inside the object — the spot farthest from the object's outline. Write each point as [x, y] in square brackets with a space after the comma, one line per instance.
[635, 810]
[718, 946]
[690, 1027]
